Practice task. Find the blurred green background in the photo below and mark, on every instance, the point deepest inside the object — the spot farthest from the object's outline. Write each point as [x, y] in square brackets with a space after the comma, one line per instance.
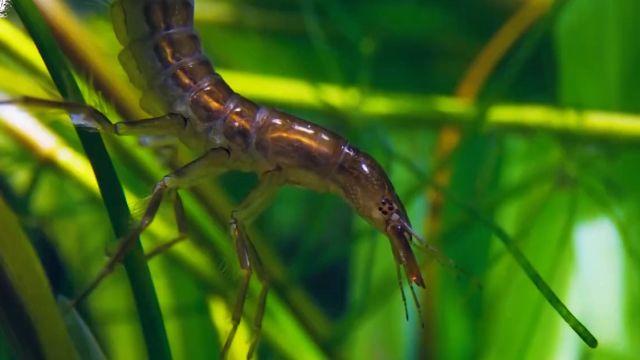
[548, 151]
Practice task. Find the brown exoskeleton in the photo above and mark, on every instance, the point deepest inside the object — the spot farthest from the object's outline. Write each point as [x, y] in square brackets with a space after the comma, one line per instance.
[188, 99]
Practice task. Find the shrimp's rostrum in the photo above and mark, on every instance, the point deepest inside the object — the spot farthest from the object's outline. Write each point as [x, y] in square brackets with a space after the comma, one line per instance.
[163, 57]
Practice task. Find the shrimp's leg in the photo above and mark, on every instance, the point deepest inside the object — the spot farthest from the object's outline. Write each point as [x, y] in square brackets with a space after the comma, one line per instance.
[248, 257]
[181, 221]
[212, 163]
[89, 117]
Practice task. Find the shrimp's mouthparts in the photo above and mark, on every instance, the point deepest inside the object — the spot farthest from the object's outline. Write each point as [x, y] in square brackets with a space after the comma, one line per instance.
[400, 233]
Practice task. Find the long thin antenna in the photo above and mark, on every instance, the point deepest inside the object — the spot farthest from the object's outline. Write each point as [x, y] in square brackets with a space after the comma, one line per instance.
[448, 263]
[415, 300]
[420, 241]
[404, 298]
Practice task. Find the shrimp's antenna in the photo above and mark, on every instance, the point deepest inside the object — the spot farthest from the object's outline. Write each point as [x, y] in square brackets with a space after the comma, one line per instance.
[419, 240]
[404, 298]
[415, 301]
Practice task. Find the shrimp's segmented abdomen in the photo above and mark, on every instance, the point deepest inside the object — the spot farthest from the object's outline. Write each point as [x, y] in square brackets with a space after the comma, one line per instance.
[163, 57]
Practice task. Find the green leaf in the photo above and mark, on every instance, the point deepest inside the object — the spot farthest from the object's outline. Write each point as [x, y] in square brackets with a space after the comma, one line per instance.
[29, 315]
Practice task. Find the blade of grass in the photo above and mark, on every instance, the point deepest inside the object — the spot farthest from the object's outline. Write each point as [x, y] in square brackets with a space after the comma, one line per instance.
[17, 49]
[110, 188]
[527, 267]
[512, 246]
[28, 312]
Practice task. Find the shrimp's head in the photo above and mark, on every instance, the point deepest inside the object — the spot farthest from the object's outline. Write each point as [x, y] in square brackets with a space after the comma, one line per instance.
[398, 230]
[366, 187]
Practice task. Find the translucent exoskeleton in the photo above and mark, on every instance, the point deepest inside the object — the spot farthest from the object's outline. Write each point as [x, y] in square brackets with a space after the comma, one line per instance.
[187, 99]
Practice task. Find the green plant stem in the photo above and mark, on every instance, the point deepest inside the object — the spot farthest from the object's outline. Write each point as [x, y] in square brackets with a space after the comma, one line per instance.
[527, 267]
[137, 271]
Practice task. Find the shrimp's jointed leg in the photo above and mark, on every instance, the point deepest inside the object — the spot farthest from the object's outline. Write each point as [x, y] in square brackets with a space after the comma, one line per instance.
[248, 257]
[212, 163]
[89, 117]
[181, 222]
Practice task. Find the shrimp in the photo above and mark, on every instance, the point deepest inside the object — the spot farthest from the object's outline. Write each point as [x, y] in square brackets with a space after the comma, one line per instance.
[163, 57]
